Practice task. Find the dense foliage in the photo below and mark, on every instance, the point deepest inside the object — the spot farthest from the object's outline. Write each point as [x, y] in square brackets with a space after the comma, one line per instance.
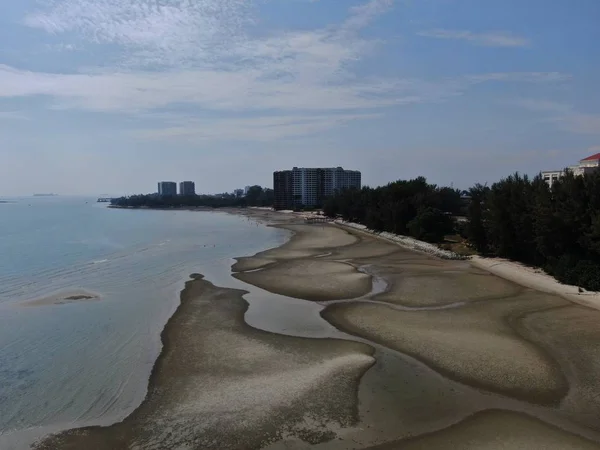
[522, 219]
[256, 196]
[412, 207]
[557, 229]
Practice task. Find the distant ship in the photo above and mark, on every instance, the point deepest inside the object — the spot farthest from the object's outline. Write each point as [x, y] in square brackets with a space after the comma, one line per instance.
[45, 195]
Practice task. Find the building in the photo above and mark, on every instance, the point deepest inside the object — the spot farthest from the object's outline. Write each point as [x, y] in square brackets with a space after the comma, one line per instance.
[187, 188]
[167, 188]
[239, 193]
[585, 166]
[550, 176]
[283, 191]
[246, 189]
[303, 186]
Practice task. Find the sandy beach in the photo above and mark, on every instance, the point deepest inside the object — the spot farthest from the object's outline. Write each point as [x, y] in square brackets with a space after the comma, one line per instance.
[445, 355]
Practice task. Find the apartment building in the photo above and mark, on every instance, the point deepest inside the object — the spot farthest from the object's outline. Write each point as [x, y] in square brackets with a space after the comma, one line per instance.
[303, 186]
[585, 166]
[187, 188]
[167, 188]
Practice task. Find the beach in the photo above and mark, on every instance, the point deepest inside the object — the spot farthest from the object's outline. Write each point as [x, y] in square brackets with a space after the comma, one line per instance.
[419, 352]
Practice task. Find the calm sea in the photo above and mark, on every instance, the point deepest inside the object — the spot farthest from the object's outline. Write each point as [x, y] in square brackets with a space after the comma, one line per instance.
[88, 361]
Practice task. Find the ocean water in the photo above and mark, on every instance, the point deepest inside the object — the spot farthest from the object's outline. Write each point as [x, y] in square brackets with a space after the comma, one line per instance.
[66, 364]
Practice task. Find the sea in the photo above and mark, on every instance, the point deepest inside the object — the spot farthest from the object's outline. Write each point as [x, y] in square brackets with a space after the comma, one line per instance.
[66, 362]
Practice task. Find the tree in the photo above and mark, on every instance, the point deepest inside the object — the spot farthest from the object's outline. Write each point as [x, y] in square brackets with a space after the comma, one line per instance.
[431, 225]
[475, 229]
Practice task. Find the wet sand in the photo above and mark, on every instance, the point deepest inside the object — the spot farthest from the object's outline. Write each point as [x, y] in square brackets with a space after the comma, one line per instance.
[448, 357]
[465, 324]
[492, 430]
[219, 383]
[60, 298]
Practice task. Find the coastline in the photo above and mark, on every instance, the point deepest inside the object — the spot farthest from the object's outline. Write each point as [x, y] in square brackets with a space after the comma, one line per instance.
[516, 272]
[215, 369]
[536, 279]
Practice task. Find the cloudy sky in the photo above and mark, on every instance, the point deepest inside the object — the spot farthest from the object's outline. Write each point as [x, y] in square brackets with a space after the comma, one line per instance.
[110, 96]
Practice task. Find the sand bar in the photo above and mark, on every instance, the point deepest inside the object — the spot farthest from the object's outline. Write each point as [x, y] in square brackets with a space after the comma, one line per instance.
[221, 384]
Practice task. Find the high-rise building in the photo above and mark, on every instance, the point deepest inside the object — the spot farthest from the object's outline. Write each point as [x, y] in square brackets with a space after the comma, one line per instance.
[311, 186]
[187, 188]
[167, 188]
[239, 193]
[283, 189]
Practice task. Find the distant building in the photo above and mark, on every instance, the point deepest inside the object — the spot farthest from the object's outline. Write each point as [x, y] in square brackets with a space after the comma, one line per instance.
[585, 166]
[238, 193]
[311, 186]
[283, 189]
[187, 188]
[167, 188]
[550, 176]
[246, 189]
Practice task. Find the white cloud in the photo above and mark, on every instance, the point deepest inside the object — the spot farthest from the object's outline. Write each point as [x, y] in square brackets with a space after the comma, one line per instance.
[207, 55]
[565, 116]
[488, 39]
[12, 115]
[520, 77]
[152, 32]
[267, 128]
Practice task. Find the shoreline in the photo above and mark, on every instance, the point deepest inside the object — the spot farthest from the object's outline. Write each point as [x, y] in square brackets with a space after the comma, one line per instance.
[214, 368]
[514, 271]
[537, 279]
[108, 437]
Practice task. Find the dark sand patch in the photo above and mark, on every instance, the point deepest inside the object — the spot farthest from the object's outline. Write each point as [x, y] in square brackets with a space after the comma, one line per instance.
[496, 430]
[221, 384]
[62, 298]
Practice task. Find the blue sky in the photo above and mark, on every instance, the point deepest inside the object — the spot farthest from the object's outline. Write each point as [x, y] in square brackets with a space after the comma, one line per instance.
[110, 96]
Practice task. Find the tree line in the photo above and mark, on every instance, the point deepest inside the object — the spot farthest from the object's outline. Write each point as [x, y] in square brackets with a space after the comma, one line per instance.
[518, 218]
[256, 196]
[412, 207]
[557, 228]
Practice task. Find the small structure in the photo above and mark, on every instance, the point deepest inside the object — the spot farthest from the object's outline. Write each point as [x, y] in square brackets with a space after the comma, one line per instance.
[320, 219]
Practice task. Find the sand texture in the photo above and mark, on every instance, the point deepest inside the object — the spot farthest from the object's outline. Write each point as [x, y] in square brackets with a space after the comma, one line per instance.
[536, 279]
[221, 384]
[419, 353]
[474, 344]
[496, 430]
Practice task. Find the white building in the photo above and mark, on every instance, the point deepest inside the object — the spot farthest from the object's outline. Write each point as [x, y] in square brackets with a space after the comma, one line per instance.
[550, 176]
[304, 186]
[310, 186]
[585, 166]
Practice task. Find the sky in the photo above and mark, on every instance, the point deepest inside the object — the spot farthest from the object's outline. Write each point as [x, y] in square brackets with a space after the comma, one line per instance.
[111, 96]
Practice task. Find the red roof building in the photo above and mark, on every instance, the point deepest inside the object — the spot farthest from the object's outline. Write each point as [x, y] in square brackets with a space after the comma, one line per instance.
[585, 166]
[592, 158]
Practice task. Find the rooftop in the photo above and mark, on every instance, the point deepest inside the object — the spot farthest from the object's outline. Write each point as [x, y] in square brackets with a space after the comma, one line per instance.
[592, 158]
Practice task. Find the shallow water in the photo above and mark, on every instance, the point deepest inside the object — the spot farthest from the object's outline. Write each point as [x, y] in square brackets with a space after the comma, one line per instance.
[65, 364]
